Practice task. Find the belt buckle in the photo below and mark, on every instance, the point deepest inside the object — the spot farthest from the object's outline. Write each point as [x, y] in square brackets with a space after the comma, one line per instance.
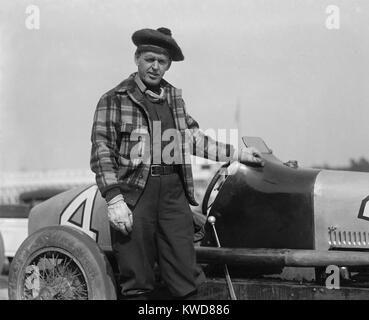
[154, 174]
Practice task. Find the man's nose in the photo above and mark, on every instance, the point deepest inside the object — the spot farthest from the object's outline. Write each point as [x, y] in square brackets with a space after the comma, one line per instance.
[155, 65]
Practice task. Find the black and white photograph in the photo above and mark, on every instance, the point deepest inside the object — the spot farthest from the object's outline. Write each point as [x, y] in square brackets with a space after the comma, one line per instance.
[180, 152]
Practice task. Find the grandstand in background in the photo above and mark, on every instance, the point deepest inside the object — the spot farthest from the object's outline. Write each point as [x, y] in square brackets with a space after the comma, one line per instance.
[12, 184]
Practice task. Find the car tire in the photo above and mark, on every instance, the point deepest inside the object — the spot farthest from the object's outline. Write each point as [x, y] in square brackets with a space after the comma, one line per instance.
[2, 254]
[60, 262]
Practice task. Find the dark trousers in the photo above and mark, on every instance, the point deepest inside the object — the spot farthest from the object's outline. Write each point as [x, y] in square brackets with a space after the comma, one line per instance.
[163, 233]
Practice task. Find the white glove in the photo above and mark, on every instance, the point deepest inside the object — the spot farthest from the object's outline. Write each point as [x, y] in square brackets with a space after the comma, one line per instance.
[249, 156]
[120, 216]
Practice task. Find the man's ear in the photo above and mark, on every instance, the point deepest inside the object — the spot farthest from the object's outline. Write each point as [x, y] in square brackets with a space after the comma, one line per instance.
[136, 59]
[169, 64]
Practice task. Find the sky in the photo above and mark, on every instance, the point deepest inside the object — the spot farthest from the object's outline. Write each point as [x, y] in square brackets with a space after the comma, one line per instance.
[302, 87]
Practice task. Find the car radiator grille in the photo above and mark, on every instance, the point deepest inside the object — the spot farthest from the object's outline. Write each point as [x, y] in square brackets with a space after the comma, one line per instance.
[339, 238]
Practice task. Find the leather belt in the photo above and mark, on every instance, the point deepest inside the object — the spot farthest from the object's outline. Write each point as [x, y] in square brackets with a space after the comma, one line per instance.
[159, 170]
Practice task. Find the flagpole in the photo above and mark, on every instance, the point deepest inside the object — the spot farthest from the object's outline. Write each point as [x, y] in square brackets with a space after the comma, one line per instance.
[237, 116]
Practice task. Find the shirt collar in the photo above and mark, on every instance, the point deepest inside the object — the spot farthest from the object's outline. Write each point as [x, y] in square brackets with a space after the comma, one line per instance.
[129, 85]
[153, 96]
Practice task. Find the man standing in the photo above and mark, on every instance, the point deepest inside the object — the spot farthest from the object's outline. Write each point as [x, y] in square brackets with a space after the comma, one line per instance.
[145, 174]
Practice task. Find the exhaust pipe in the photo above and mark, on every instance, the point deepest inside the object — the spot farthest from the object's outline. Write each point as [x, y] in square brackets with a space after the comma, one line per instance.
[281, 257]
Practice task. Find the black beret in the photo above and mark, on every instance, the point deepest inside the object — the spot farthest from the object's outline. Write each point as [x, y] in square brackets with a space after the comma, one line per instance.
[162, 37]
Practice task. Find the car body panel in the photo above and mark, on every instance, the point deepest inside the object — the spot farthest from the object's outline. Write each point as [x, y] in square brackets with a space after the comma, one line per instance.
[269, 207]
[341, 214]
[82, 208]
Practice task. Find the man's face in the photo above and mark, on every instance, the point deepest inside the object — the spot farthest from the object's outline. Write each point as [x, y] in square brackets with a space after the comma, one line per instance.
[152, 67]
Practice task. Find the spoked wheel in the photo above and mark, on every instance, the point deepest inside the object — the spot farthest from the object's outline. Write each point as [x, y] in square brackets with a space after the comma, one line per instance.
[53, 274]
[60, 263]
[213, 188]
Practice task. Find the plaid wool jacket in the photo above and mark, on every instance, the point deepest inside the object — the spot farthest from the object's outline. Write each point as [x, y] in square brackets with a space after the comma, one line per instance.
[121, 112]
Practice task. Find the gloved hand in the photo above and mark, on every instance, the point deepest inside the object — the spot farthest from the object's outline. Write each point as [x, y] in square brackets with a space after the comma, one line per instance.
[249, 156]
[120, 216]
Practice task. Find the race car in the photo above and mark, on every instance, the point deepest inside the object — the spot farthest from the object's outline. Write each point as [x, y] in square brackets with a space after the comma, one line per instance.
[278, 220]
